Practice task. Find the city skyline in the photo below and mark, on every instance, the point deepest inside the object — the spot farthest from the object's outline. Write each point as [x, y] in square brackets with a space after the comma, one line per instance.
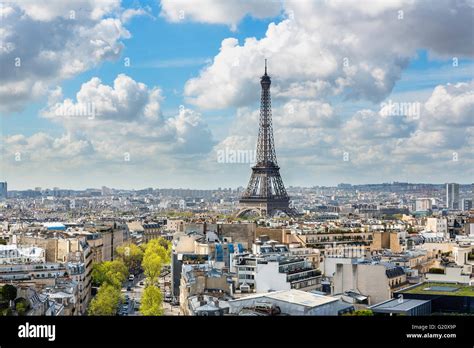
[148, 94]
[221, 187]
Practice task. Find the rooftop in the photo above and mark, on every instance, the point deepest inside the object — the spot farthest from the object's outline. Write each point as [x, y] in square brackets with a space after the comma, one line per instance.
[450, 289]
[12, 250]
[397, 305]
[296, 297]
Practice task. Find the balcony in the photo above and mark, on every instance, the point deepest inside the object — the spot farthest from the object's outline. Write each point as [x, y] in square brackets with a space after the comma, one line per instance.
[302, 274]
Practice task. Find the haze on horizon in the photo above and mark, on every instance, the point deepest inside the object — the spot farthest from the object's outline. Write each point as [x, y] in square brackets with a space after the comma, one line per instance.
[105, 93]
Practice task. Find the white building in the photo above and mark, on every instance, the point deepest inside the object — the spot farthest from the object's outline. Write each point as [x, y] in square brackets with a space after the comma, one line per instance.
[268, 278]
[245, 266]
[452, 274]
[279, 273]
[12, 254]
[461, 254]
[433, 237]
[285, 274]
[329, 264]
[437, 225]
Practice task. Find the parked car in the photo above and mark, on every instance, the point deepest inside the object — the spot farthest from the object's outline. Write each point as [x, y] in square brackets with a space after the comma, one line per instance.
[129, 288]
[168, 297]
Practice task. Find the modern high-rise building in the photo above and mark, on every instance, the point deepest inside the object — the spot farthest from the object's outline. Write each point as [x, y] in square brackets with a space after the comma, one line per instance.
[452, 196]
[3, 190]
[472, 192]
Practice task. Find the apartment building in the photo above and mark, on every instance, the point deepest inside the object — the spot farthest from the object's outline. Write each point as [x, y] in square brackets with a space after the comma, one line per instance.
[377, 281]
[202, 279]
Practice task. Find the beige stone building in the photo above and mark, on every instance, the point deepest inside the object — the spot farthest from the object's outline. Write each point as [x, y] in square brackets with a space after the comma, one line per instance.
[175, 225]
[313, 255]
[103, 242]
[376, 281]
[74, 253]
[386, 240]
[57, 248]
[241, 233]
[201, 279]
[151, 231]
[334, 236]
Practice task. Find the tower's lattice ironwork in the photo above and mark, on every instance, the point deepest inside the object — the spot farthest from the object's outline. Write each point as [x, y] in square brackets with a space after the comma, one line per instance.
[265, 193]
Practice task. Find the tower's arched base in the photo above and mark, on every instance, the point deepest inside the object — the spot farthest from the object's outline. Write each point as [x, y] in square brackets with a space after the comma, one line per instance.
[263, 211]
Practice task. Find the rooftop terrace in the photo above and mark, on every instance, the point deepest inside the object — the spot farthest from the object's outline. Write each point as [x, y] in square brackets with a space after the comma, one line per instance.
[441, 289]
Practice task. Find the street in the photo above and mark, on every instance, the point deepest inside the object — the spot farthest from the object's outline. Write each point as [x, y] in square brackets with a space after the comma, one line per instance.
[133, 291]
[165, 286]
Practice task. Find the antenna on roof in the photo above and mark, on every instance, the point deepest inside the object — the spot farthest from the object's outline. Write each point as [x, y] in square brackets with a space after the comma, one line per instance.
[265, 66]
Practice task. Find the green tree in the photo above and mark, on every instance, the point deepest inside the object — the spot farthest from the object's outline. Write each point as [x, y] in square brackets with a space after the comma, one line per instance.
[152, 301]
[7, 312]
[130, 254]
[106, 301]
[22, 306]
[152, 265]
[8, 293]
[110, 272]
[157, 254]
[159, 246]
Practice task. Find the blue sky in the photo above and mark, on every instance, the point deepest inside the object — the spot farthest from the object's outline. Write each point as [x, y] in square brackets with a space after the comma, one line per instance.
[191, 63]
[168, 60]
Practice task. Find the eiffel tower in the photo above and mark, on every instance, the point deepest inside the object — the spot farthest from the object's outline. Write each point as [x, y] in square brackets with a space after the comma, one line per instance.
[265, 193]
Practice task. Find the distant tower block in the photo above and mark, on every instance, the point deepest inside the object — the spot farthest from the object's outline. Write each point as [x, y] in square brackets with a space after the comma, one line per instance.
[265, 194]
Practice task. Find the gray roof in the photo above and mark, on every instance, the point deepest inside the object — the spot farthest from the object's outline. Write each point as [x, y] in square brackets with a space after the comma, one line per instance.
[397, 305]
[292, 296]
[207, 307]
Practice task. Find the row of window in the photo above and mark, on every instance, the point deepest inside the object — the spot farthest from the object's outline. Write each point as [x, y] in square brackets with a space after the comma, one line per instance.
[306, 284]
[246, 276]
[248, 269]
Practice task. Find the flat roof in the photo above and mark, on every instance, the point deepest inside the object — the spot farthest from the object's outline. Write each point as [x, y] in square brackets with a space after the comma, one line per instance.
[398, 305]
[294, 296]
[434, 288]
